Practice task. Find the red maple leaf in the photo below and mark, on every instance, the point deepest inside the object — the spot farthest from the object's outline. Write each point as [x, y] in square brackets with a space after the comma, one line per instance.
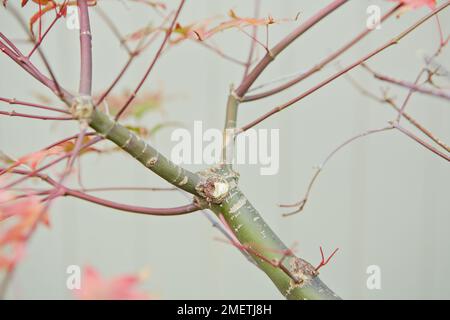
[35, 158]
[25, 213]
[414, 4]
[94, 287]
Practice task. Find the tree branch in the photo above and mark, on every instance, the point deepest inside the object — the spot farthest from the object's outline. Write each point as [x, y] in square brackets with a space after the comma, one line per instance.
[152, 64]
[337, 75]
[33, 116]
[283, 44]
[420, 141]
[85, 49]
[408, 85]
[320, 65]
[143, 152]
[295, 278]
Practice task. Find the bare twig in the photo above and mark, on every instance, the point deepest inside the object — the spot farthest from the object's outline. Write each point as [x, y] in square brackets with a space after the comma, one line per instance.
[337, 75]
[301, 204]
[152, 64]
[304, 75]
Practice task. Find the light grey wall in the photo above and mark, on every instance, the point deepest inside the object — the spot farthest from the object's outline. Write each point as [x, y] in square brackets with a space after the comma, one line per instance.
[383, 200]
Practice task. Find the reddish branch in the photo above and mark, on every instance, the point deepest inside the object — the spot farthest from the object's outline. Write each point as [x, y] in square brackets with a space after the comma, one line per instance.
[58, 15]
[49, 165]
[65, 191]
[283, 44]
[54, 193]
[28, 66]
[345, 70]
[301, 204]
[14, 101]
[412, 86]
[176, 211]
[240, 94]
[401, 110]
[51, 83]
[33, 116]
[152, 64]
[320, 65]
[85, 49]
[324, 261]
[61, 141]
[420, 141]
[131, 57]
[129, 189]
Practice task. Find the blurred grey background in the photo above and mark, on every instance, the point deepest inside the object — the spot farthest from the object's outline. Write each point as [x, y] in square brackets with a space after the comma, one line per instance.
[384, 200]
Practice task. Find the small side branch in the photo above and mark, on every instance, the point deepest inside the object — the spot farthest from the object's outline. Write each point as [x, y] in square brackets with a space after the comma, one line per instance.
[304, 75]
[324, 261]
[401, 113]
[420, 141]
[283, 44]
[64, 191]
[29, 67]
[414, 87]
[337, 75]
[33, 116]
[14, 101]
[301, 204]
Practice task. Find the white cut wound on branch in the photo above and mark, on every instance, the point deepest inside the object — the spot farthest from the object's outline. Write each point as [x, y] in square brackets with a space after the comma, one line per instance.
[184, 181]
[214, 189]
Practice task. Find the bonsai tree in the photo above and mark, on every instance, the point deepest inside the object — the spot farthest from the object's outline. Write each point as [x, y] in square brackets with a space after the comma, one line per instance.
[31, 183]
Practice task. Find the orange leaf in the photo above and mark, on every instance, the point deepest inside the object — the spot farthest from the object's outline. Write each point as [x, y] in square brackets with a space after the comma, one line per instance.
[69, 146]
[49, 6]
[200, 32]
[41, 12]
[140, 33]
[5, 197]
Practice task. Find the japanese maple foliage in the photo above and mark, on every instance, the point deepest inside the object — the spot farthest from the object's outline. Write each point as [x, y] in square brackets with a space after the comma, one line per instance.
[23, 208]
[95, 287]
[18, 217]
[414, 4]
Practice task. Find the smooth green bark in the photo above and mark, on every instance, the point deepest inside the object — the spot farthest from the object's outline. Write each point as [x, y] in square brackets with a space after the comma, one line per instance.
[143, 152]
[252, 231]
[244, 220]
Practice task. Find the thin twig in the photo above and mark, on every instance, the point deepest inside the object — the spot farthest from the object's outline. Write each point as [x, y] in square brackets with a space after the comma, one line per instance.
[304, 75]
[337, 75]
[152, 64]
[301, 204]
